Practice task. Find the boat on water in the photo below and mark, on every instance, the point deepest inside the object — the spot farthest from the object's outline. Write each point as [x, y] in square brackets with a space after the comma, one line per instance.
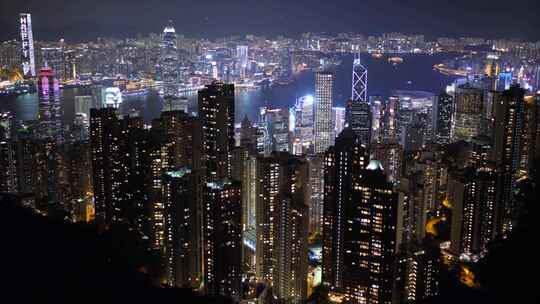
[443, 69]
[395, 60]
[377, 55]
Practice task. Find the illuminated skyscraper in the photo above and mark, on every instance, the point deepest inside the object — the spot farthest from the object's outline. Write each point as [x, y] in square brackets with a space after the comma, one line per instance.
[472, 194]
[222, 238]
[278, 120]
[282, 224]
[243, 59]
[324, 90]
[377, 104]
[338, 120]
[358, 118]
[443, 111]
[50, 115]
[304, 120]
[359, 78]
[113, 97]
[27, 40]
[316, 192]
[358, 108]
[389, 123]
[360, 236]
[169, 62]
[418, 268]
[8, 174]
[342, 165]
[514, 134]
[105, 146]
[216, 111]
[468, 113]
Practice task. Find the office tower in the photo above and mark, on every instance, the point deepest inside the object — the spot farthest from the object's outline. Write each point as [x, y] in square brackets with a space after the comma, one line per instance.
[358, 118]
[358, 115]
[282, 225]
[216, 112]
[278, 125]
[50, 115]
[27, 45]
[222, 238]
[342, 165]
[472, 193]
[389, 124]
[377, 104]
[175, 104]
[359, 78]
[514, 133]
[316, 193]
[285, 65]
[338, 120]
[443, 110]
[248, 135]
[304, 122]
[359, 250]
[8, 158]
[53, 57]
[181, 217]
[468, 110]
[264, 139]
[169, 62]
[324, 90]
[243, 59]
[418, 268]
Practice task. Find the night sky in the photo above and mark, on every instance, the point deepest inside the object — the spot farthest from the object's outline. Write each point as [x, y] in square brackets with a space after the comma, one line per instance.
[77, 20]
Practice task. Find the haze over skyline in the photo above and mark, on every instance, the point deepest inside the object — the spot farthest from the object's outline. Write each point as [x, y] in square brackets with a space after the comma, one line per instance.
[87, 20]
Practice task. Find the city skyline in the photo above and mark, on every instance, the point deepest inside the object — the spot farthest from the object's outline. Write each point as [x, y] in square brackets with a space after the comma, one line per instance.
[249, 170]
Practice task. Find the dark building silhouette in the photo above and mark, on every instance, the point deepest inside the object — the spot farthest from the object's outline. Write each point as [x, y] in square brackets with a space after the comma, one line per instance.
[216, 112]
[222, 238]
[182, 228]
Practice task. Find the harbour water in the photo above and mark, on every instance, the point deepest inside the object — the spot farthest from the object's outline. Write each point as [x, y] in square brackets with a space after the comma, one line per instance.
[415, 73]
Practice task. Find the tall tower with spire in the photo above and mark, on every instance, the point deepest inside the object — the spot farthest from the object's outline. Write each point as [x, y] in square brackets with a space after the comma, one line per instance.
[169, 62]
[359, 77]
[358, 115]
